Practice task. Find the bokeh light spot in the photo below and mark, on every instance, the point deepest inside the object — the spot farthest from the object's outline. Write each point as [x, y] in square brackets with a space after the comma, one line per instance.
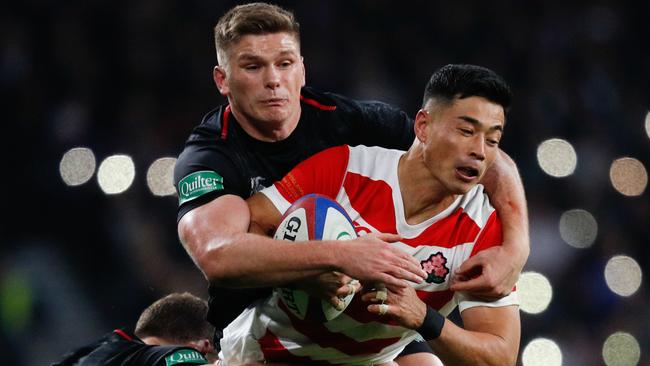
[621, 349]
[541, 352]
[16, 303]
[647, 124]
[628, 176]
[77, 166]
[115, 174]
[557, 157]
[535, 292]
[160, 177]
[623, 275]
[578, 228]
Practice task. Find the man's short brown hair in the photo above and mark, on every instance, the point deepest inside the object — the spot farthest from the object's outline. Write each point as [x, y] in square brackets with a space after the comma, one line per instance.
[176, 318]
[253, 18]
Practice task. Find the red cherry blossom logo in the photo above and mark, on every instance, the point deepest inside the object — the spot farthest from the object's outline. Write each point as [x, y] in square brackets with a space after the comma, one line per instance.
[436, 268]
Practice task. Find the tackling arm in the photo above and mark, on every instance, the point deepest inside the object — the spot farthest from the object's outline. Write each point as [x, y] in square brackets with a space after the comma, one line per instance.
[215, 235]
[499, 267]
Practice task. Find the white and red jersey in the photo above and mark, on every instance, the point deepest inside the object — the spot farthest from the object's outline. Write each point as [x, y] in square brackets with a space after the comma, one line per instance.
[364, 181]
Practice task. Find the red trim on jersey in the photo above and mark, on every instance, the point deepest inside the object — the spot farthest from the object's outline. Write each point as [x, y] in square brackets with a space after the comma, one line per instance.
[316, 104]
[491, 235]
[436, 299]
[455, 229]
[122, 334]
[325, 338]
[373, 198]
[274, 351]
[358, 310]
[321, 173]
[224, 125]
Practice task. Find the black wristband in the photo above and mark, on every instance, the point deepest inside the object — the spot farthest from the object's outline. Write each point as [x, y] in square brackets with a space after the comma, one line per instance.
[432, 325]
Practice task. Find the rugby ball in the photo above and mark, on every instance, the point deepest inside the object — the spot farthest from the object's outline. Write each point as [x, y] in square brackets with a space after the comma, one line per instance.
[314, 217]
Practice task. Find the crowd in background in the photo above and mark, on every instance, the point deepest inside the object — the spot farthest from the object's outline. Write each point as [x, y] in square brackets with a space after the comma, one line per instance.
[134, 77]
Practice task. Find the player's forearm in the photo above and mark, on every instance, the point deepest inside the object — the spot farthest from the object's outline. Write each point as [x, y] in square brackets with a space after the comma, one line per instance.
[505, 188]
[457, 346]
[250, 260]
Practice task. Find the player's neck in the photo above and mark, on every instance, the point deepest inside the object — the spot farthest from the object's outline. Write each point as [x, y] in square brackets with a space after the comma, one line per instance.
[422, 194]
[268, 131]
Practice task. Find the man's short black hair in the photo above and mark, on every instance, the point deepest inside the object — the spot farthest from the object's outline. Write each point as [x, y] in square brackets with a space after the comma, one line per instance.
[177, 318]
[463, 81]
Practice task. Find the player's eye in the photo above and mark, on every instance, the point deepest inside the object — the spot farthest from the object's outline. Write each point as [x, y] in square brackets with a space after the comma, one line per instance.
[251, 67]
[466, 131]
[285, 64]
[493, 142]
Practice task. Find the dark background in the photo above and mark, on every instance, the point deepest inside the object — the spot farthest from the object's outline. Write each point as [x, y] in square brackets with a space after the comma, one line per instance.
[134, 77]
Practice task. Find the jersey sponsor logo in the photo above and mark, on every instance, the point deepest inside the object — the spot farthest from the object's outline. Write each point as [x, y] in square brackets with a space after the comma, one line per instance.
[197, 184]
[185, 356]
[436, 268]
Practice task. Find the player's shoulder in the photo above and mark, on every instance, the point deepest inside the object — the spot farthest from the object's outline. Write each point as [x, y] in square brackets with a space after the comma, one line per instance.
[476, 204]
[210, 126]
[324, 101]
[363, 157]
[173, 355]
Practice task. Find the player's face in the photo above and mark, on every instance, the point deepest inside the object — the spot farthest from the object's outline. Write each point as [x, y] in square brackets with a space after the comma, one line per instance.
[461, 141]
[262, 77]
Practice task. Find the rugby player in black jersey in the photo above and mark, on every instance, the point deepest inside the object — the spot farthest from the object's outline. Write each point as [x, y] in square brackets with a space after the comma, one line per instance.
[171, 331]
[271, 123]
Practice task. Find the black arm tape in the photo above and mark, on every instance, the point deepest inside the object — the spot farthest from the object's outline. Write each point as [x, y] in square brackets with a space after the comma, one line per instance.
[432, 325]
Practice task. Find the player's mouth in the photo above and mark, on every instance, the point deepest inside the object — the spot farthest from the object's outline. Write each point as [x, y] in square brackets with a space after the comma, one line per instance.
[467, 173]
[274, 102]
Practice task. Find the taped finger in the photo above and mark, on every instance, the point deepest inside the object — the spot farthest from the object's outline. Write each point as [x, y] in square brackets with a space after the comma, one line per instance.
[351, 289]
[383, 309]
[340, 305]
[381, 295]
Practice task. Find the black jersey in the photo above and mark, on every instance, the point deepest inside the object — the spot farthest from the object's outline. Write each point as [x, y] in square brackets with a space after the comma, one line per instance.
[121, 349]
[221, 158]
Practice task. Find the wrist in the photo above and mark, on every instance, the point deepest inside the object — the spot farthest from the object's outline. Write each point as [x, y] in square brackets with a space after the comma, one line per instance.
[432, 324]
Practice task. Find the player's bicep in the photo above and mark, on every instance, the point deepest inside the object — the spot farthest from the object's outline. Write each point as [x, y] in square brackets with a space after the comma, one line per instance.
[213, 223]
[503, 322]
[265, 217]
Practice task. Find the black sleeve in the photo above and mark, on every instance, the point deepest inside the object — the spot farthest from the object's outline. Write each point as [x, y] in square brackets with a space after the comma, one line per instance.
[202, 159]
[166, 355]
[377, 123]
[416, 347]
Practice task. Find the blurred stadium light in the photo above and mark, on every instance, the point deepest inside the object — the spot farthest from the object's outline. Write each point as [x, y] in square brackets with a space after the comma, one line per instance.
[77, 166]
[535, 292]
[557, 157]
[628, 176]
[621, 349]
[578, 228]
[115, 174]
[623, 275]
[160, 177]
[541, 352]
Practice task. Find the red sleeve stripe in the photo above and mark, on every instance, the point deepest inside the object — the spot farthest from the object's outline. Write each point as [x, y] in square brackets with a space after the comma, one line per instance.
[224, 125]
[490, 236]
[122, 334]
[316, 104]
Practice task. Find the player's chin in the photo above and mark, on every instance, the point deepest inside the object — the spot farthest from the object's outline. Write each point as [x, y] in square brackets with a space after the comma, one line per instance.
[275, 114]
[461, 187]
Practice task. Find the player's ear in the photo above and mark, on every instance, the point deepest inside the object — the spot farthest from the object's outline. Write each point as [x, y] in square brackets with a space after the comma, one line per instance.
[420, 126]
[304, 74]
[221, 80]
[204, 346]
